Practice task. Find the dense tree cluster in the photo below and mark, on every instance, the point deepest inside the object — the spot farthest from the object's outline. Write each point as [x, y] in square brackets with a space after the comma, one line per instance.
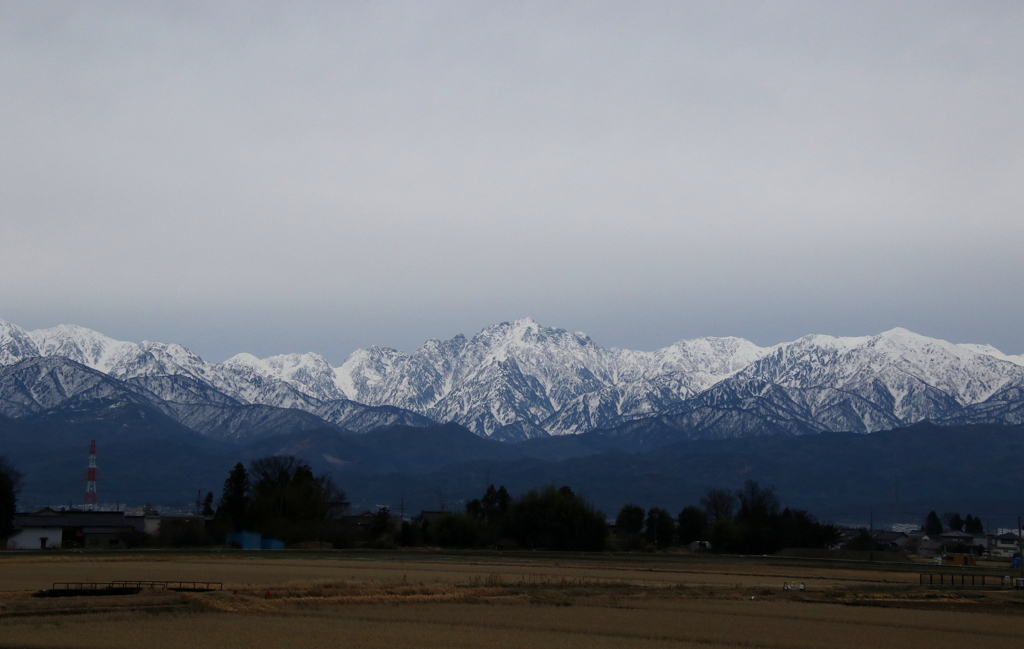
[540, 519]
[629, 525]
[279, 497]
[933, 525]
[556, 519]
[490, 512]
[748, 521]
[10, 482]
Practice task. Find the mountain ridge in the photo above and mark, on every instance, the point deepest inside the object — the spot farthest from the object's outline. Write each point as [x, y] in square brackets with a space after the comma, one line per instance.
[517, 380]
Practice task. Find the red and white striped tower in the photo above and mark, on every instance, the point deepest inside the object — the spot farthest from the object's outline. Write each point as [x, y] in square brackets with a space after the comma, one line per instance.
[90, 479]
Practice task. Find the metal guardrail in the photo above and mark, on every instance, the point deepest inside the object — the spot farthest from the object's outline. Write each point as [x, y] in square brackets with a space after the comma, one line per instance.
[193, 586]
[66, 588]
[963, 579]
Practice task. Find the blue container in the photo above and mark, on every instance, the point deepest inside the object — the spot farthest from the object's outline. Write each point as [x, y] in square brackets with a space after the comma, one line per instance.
[271, 544]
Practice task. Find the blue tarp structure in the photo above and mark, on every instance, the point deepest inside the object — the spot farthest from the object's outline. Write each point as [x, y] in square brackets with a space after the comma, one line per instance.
[252, 541]
[244, 540]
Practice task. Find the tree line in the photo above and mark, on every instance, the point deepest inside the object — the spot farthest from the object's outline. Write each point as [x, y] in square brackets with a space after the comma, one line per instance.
[547, 518]
[280, 497]
[749, 520]
[933, 525]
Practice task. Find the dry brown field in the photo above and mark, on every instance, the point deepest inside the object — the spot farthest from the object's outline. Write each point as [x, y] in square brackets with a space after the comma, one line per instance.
[396, 600]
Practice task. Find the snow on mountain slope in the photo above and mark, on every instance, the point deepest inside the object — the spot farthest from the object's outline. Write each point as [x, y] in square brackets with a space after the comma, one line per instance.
[39, 383]
[1005, 406]
[519, 379]
[989, 350]
[895, 377]
[549, 379]
[359, 418]
[16, 344]
[849, 363]
[308, 373]
[218, 399]
[281, 381]
[85, 346]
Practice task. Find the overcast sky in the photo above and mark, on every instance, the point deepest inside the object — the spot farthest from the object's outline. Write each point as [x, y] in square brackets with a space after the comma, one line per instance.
[326, 176]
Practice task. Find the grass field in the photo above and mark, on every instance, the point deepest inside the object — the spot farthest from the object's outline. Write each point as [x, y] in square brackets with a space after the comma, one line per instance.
[396, 600]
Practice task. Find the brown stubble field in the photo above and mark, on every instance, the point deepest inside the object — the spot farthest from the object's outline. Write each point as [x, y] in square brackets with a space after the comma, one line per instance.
[419, 600]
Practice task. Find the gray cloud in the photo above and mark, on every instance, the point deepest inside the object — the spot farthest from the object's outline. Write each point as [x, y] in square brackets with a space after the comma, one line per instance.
[329, 175]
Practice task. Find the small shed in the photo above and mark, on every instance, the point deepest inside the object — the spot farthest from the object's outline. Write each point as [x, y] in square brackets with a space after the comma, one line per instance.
[35, 538]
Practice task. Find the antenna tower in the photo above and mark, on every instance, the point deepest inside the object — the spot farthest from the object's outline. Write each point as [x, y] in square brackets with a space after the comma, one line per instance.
[90, 479]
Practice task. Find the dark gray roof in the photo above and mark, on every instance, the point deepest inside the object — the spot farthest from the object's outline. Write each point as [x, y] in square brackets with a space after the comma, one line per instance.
[73, 518]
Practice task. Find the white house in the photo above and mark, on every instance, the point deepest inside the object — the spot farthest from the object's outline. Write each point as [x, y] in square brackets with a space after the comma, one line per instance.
[35, 538]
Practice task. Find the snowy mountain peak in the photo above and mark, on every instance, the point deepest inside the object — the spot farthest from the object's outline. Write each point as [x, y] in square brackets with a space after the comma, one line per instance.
[519, 379]
[309, 373]
[717, 356]
[15, 344]
[82, 345]
[919, 374]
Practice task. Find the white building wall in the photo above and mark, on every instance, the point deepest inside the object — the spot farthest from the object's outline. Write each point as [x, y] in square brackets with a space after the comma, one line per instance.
[30, 538]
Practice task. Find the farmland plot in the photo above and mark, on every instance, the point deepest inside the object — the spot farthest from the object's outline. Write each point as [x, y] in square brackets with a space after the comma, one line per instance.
[396, 601]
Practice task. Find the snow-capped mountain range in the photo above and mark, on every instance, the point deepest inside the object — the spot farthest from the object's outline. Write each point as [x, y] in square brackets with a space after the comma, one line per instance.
[520, 380]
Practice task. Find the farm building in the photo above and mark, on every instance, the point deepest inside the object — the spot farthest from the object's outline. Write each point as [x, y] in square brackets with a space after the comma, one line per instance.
[50, 528]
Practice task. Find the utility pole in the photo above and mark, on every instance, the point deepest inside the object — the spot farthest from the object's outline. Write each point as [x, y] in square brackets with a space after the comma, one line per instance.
[90, 480]
[1020, 547]
[655, 526]
[871, 533]
[897, 512]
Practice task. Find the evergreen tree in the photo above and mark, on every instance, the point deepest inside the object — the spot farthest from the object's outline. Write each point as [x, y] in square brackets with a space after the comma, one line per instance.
[693, 525]
[10, 483]
[799, 529]
[381, 523]
[659, 528]
[490, 511]
[933, 525]
[208, 504]
[954, 522]
[234, 500]
[630, 521]
[973, 525]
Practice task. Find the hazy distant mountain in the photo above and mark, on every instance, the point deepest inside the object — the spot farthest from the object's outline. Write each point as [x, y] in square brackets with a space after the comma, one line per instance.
[893, 476]
[520, 380]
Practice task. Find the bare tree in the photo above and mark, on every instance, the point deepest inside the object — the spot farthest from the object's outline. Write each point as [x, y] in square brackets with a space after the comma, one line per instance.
[718, 504]
[757, 502]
